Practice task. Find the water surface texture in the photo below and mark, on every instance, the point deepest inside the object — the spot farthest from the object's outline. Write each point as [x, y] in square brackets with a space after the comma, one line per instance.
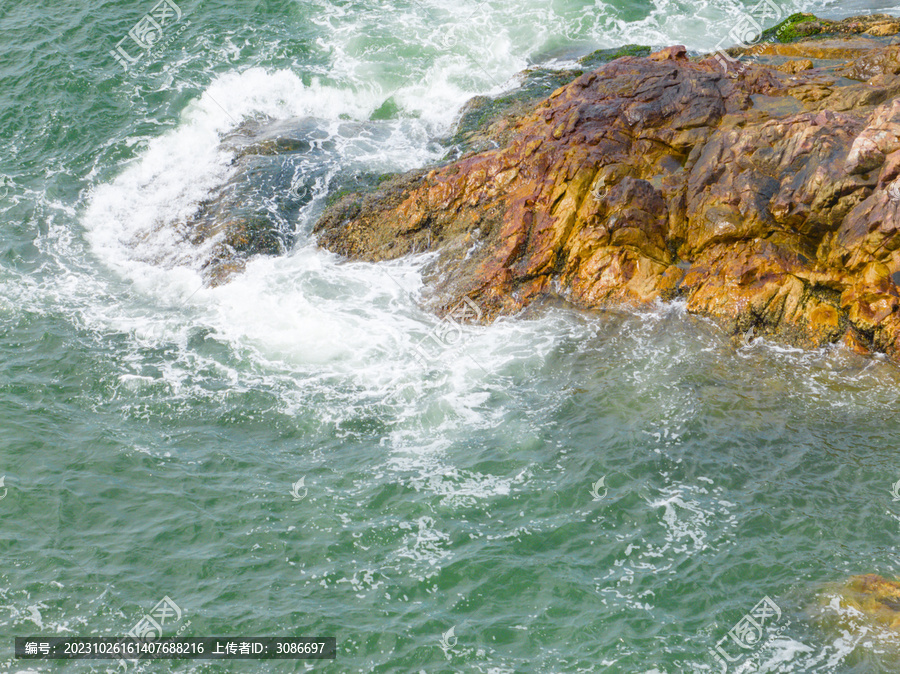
[562, 492]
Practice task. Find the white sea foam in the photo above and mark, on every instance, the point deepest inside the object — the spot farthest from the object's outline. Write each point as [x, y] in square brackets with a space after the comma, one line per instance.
[319, 332]
[307, 308]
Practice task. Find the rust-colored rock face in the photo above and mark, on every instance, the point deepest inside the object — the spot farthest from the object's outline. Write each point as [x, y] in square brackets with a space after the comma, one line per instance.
[770, 200]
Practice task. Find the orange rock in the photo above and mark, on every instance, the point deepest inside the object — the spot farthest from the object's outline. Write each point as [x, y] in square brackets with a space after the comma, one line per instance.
[763, 200]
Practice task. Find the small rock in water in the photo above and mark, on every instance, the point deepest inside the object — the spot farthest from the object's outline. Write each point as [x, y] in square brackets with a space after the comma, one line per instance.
[875, 597]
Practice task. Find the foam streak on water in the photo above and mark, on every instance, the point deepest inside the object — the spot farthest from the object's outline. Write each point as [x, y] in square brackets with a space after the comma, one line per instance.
[449, 516]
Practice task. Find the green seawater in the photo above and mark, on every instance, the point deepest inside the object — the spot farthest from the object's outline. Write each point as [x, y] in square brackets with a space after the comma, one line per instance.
[561, 492]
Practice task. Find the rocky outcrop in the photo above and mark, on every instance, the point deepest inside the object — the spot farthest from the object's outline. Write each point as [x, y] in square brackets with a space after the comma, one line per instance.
[768, 199]
[254, 212]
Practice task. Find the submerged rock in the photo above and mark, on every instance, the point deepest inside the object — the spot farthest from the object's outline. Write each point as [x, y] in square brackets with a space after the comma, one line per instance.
[875, 597]
[768, 198]
[277, 169]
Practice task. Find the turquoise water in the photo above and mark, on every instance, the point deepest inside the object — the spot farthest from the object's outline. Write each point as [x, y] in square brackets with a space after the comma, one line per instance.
[565, 492]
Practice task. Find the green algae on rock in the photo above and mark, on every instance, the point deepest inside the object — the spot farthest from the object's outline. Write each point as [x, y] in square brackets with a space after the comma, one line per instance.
[805, 26]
